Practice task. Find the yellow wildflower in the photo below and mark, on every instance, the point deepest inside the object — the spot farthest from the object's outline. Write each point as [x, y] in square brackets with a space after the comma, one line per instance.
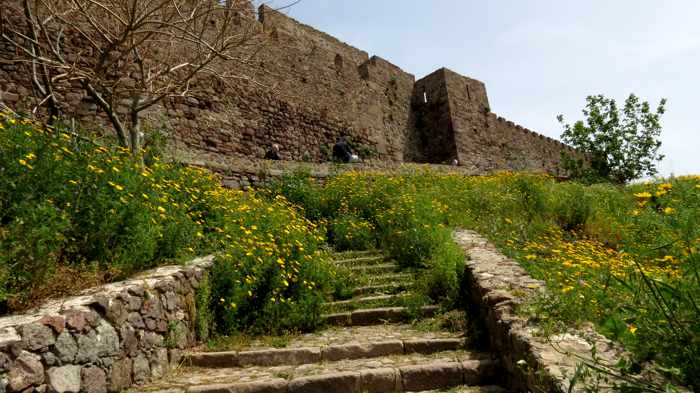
[116, 186]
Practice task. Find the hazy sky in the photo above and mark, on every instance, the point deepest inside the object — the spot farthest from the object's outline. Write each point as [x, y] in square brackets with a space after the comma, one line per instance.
[540, 58]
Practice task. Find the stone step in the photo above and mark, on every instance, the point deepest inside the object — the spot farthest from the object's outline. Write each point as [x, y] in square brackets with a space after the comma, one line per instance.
[398, 299]
[387, 278]
[341, 335]
[330, 353]
[376, 316]
[397, 373]
[361, 261]
[470, 389]
[355, 254]
[391, 288]
[375, 269]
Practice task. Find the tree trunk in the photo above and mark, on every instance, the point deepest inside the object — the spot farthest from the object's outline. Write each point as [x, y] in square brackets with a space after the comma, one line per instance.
[135, 133]
[107, 108]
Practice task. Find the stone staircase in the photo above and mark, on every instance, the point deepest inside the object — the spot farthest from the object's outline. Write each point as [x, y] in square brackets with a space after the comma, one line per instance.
[369, 345]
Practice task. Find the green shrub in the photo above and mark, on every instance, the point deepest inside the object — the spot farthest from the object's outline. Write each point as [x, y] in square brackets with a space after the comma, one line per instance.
[441, 281]
[301, 189]
[348, 232]
[273, 278]
[412, 230]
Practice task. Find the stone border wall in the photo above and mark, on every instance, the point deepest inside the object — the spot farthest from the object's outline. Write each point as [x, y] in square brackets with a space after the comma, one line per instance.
[244, 173]
[497, 285]
[106, 339]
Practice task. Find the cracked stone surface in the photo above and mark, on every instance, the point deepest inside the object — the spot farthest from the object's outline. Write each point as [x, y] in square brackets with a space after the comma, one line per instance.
[185, 377]
[356, 335]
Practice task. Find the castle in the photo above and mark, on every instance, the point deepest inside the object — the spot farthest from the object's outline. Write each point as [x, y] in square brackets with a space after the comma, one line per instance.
[311, 88]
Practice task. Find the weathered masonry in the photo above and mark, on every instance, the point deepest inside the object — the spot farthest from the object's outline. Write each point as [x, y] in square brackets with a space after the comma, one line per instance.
[311, 88]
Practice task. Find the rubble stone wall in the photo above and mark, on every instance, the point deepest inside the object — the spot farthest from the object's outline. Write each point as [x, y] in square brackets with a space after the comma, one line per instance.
[534, 361]
[302, 90]
[106, 339]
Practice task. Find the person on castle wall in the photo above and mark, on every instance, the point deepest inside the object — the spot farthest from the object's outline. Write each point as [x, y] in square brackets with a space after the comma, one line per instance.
[342, 151]
[273, 153]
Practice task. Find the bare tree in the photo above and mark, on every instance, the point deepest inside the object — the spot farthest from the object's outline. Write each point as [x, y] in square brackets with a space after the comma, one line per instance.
[129, 54]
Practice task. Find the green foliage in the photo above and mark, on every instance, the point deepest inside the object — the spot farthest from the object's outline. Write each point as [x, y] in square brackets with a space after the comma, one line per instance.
[202, 310]
[274, 277]
[410, 228]
[66, 202]
[441, 281]
[622, 145]
[69, 206]
[624, 258]
[298, 187]
[349, 232]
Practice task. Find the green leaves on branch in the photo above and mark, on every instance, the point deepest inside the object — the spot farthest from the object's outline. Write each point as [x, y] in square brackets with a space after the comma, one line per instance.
[621, 144]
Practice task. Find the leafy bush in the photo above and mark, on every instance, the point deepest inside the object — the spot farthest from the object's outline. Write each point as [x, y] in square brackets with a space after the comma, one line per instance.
[412, 230]
[349, 232]
[66, 201]
[620, 145]
[273, 277]
[441, 281]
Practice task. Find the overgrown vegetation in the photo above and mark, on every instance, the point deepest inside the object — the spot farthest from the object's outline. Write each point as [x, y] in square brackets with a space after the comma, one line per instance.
[367, 209]
[625, 259]
[75, 214]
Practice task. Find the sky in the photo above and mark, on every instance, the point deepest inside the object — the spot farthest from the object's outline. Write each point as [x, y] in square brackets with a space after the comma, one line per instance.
[540, 58]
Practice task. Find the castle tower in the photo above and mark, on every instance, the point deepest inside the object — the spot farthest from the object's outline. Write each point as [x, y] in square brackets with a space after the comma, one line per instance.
[447, 107]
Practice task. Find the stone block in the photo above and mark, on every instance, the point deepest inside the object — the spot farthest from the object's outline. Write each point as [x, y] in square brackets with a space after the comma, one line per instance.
[66, 347]
[141, 369]
[120, 375]
[345, 382]
[94, 380]
[64, 379]
[36, 336]
[213, 359]
[431, 376]
[380, 380]
[340, 319]
[276, 357]
[377, 315]
[25, 371]
[357, 351]
[272, 386]
[56, 322]
[159, 363]
[433, 345]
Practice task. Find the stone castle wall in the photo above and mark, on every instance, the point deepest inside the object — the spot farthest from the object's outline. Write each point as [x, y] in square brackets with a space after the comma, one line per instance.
[305, 88]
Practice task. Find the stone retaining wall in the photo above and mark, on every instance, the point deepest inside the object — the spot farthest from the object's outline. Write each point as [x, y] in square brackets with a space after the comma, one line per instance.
[106, 339]
[497, 285]
[242, 173]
